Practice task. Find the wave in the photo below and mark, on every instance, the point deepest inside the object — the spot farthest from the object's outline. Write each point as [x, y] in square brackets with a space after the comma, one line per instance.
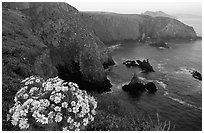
[113, 47]
[145, 80]
[162, 84]
[185, 70]
[184, 103]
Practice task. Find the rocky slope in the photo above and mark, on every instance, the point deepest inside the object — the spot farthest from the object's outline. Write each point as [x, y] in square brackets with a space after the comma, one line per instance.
[157, 14]
[49, 39]
[118, 27]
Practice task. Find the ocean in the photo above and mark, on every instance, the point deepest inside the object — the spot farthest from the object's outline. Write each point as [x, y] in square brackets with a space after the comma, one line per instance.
[179, 95]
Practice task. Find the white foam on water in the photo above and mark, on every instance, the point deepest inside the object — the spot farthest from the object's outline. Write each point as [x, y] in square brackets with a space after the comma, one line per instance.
[162, 84]
[145, 80]
[162, 48]
[185, 70]
[114, 46]
[184, 103]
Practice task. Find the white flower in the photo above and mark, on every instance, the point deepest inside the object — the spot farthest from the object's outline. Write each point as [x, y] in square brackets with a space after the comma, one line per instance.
[73, 103]
[52, 97]
[35, 103]
[69, 110]
[23, 123]
[64, 104]
[35, 114]
[37, 80]
[65, 129]
[57, 100]
[58, 118]
[51, 114]
[64, 88]
[77, 124]
[47, 103]
[14, 122]
[93, 112]
[57, 108]
[33, 89]
[85, 121]
[75, 110]
[58, 88]
[44, 120]
[70, 120]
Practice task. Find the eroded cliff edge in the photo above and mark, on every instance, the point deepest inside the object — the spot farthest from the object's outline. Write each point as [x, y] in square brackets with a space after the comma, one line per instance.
[119, 27]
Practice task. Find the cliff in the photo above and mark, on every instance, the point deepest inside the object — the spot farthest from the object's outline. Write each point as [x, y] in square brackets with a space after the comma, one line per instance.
[49, 39]
[118, 27]
[157, 14]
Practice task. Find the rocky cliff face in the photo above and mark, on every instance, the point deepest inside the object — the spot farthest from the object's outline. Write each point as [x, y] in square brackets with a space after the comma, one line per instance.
[116, 27]
[49, 39]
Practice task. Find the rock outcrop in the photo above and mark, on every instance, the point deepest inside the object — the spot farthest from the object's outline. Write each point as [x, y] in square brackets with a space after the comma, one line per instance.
[197, 75]
[136, 86]
[144, 65]
[49, 39]
[151, 87]
[111, 27]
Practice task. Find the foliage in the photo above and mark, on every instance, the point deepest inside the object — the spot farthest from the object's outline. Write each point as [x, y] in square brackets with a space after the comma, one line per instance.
[113, 116]
[52, 105]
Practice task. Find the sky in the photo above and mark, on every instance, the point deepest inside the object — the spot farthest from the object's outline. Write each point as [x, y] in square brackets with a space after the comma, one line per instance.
[137, 7]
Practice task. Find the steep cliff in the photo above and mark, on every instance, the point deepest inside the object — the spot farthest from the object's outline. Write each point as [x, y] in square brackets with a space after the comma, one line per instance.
[49, 39]
[117, 27]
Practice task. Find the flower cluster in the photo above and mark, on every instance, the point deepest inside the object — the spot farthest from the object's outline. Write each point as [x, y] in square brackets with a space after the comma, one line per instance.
[52, 104]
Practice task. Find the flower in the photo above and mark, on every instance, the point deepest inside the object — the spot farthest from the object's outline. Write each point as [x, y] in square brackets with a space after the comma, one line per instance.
[64, 104]
[44, 120]
[70, 120]
[57, 99]
[51, 114]
[65, 129]
[64, 88]
[58, 118]
[58, 88]
[75, 110]
[48, 102]
[73, 103]
[37, 80]
[23, 123]
[93, 112]
[14, 122]
[57, 108]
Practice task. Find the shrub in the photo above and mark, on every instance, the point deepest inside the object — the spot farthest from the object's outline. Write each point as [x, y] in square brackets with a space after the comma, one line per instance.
[51, 105]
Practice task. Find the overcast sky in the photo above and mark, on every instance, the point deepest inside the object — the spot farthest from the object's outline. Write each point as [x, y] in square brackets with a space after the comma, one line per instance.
[137, 7]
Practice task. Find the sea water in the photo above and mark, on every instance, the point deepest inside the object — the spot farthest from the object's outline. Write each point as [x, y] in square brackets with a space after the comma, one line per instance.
[179, 95]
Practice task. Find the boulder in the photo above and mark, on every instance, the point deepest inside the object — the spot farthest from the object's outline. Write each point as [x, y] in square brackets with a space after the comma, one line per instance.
[135, 86]
[145, 65]
[151, 87]
[197, 75]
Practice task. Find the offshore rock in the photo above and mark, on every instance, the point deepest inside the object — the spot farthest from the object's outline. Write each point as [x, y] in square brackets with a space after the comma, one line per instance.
[197, 75]
[145, 65]
[135, 86]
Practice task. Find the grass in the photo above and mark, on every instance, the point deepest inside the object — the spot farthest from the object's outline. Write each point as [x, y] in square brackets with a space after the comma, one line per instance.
[112, 116]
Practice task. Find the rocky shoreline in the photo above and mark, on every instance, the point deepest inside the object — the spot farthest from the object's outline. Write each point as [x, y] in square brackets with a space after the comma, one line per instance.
[54, 39]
